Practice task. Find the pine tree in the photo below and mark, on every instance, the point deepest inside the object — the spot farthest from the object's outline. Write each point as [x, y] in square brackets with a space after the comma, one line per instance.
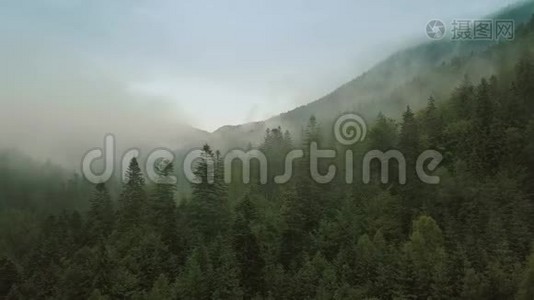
[523, 89]
[383, 134]
[247, 249]
[100, 217]
[474, 285]
[386, 268]
[77, 279]
[308, 191]
[426, 259]
[193, 281]
[462, 100]
[103, 269]
[275, 147]
[224, 279]
[209, 213]
[132, 210]
[412, 190]
[482, 159]
[365, 262]
[432, 125]
[148, 258]
[163, 216]
[315, 280]
[293, 239]
[409, 142]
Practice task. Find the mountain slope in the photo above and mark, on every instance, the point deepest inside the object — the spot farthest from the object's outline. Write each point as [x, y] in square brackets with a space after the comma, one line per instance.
[408, 77]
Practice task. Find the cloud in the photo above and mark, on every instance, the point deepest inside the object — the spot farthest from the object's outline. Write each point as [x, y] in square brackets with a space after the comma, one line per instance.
[58, 103]
[75, 70]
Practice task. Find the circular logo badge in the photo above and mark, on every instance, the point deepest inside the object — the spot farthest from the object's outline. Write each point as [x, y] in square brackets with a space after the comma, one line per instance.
[435, 29]
[350, 129]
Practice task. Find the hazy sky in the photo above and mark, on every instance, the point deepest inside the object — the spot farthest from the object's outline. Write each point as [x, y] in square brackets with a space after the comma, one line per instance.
[222, 62]
[69, 65]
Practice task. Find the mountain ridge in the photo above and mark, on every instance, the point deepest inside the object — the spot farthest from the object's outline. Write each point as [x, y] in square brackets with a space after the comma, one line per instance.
[386, 85]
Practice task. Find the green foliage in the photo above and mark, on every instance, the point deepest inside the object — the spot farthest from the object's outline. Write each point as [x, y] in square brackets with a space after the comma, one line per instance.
[193, 281]
[162, 208]
[526, 289]
[247, 249]
[133, 198]
[469, 237]
[8, 276]
[425, 259]
[101, 217]
[161, 290]
[208, 209]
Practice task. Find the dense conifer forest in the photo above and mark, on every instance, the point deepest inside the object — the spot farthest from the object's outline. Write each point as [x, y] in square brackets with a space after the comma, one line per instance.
[469, 237]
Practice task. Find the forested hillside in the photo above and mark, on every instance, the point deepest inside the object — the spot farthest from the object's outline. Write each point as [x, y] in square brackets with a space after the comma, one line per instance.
[407, 77]
[469, 237]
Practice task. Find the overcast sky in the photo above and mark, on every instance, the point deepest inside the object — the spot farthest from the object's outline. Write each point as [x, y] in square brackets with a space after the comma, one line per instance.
[70, 65]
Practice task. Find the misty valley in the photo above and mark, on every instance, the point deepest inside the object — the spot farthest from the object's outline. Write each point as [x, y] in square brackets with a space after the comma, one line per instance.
[161, 151]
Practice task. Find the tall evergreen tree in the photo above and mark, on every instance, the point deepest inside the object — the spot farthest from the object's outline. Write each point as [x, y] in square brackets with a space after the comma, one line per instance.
[132, 205]
[247, 249]
[409, 145]
[100, 218]
[409, 142]
[308, 191]
[432, 125]
[193, 281]
[163, 216]
[209, 212]
[426, 260]
[224, 279]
